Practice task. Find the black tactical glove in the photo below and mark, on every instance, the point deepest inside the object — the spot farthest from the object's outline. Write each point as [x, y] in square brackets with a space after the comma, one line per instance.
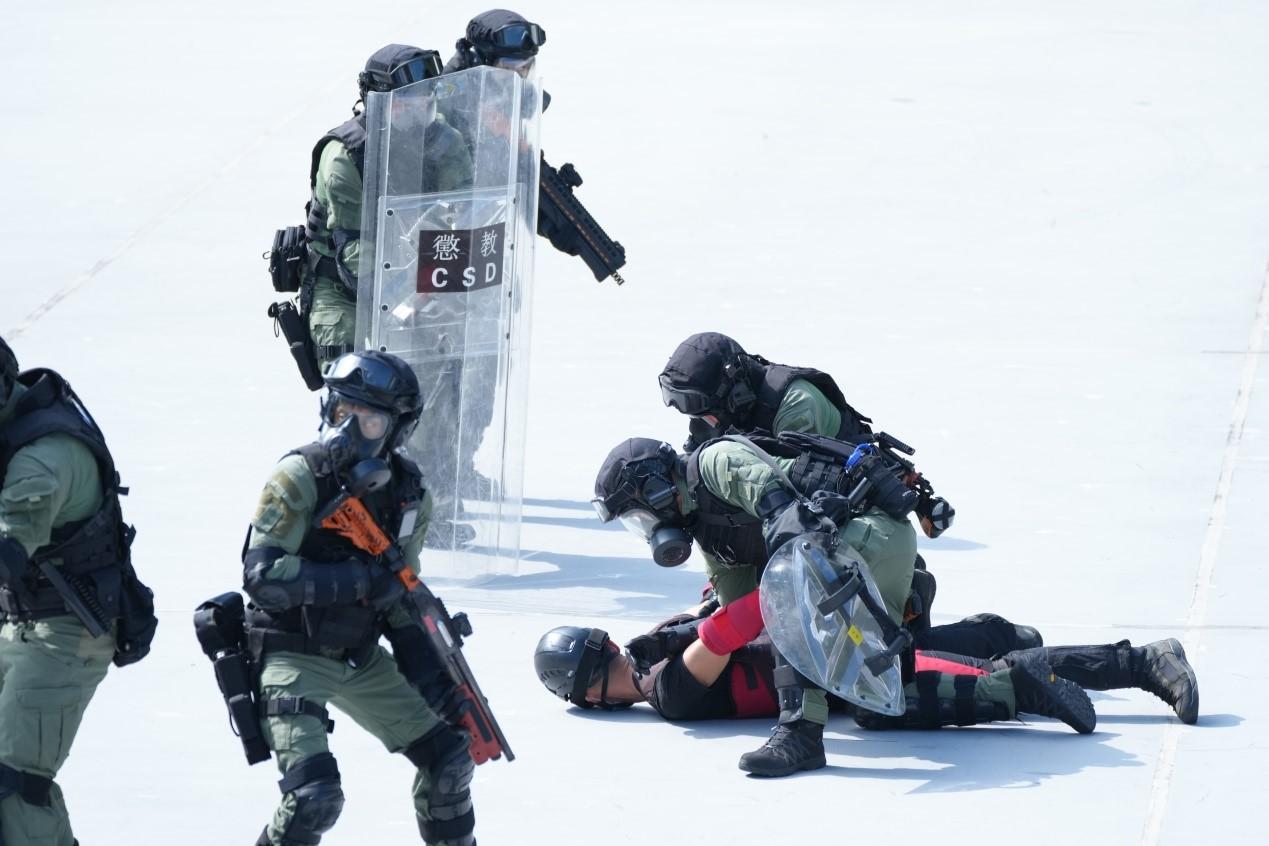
[655, 647]
[835, 507]
[797, 518]
[386, 589]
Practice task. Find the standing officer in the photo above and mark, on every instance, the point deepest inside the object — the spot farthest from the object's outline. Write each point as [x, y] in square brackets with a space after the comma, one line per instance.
[328, 293]
[320, 603]
[65, 583]
[720, 496]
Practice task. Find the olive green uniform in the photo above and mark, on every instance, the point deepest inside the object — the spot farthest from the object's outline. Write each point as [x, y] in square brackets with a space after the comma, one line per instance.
[732, 472]
[374, 693]
[804, 408]
[332, 313]
[49, 668]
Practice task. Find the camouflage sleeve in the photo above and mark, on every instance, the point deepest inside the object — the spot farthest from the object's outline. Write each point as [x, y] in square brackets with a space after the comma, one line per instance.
[734, 474]
[284, 514]
[48, 483]
[339, 190]
[806, 409]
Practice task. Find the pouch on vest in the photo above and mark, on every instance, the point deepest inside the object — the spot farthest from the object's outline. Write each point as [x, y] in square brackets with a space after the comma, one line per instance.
[287, 258]
[137, 623]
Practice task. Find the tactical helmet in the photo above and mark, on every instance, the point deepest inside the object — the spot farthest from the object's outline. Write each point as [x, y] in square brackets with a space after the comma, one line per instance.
[708, 374]
[638, 473]
[503, 34]
[636, 484]
[570, 659]
[377, 380]
[396, 66]
[8, 371]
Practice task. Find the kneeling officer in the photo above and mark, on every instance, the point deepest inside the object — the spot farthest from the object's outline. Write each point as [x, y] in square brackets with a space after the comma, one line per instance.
[320, 603]
[69, 600]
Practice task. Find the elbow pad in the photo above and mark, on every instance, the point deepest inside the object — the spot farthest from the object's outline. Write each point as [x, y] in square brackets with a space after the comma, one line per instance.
[732, 626]
[317, 585]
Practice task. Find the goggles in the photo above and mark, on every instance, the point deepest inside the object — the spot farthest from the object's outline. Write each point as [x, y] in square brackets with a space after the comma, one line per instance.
[417, 69]
[373, 423]
[517, 38]
[639, 486]
[689, 401]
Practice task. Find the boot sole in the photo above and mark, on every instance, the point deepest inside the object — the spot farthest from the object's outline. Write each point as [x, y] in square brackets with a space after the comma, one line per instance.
[1070, 703]
[814, 764]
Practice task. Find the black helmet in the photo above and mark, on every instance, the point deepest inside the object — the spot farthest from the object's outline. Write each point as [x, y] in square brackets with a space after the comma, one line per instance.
[638, 473]
[377, 392]
[503, 34]
[636, 483]
[398, 65]
[8, 371]
[708, 374]
[570, 659]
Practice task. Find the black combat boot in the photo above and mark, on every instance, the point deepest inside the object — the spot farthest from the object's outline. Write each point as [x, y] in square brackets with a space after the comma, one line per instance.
[794, 746]
[1038, 690]
[1161, 669]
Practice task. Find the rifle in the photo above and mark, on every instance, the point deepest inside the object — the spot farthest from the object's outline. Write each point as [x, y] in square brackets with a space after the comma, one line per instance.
[75, 601]
[570, 227]
[350, 518]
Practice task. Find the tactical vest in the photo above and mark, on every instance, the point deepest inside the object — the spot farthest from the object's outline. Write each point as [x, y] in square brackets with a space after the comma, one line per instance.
[356, 627]
[772, 383]
[732, 535]
[352, 134]
[729, 534]
[90, 553]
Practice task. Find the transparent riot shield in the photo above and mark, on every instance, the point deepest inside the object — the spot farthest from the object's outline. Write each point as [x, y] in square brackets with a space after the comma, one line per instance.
[815, 615]
[448, 223]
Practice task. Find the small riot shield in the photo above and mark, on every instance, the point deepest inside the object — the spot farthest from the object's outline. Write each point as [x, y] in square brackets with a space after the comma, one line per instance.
[448, 222]
[814, 609]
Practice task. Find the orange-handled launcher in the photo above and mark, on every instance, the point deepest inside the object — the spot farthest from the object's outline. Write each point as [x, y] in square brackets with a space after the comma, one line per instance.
[350, 518]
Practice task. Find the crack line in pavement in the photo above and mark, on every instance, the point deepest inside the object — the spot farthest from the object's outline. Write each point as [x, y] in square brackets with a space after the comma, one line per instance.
[163, 216]
[1165, 765]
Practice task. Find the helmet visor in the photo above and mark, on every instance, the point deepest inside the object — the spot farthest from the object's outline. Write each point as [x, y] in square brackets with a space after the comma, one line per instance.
[372, 422]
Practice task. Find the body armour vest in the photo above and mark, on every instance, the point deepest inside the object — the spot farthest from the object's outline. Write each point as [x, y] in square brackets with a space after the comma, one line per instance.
[91, 553]
[351, 627]
[771, 382]
[352, 134]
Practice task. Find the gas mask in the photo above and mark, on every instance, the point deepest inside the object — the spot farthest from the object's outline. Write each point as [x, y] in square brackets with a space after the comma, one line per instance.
[670, 545]
[351, 432]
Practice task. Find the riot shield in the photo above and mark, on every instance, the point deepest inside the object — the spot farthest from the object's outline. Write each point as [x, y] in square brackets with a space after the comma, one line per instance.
[448, 222]
[813, 607]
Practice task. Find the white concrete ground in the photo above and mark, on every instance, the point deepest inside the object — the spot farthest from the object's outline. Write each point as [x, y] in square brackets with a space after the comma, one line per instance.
[1029, 238]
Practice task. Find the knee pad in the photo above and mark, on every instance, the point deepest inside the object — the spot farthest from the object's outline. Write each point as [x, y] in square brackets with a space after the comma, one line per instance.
[442, 755]
[315, 784]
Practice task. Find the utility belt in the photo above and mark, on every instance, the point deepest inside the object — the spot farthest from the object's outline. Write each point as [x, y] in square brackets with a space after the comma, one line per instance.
[220, 625]
[262, 642]
[99, 589]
